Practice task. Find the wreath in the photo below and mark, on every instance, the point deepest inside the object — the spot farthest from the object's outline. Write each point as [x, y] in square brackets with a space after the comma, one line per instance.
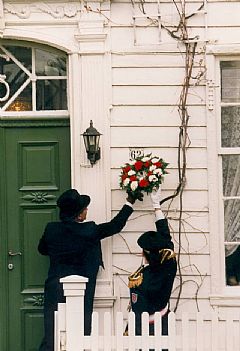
[145, 173]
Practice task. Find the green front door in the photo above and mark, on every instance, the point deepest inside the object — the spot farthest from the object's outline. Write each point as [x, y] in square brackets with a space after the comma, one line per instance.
[35, 169]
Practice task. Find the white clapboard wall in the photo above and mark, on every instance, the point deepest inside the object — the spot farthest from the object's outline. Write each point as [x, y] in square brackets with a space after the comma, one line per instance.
[147, 79]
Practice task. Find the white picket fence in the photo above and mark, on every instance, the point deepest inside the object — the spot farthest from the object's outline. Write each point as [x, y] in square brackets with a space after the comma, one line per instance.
[188, 332]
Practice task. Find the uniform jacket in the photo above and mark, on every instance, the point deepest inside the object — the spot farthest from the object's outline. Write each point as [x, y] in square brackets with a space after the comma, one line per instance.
[154, 292]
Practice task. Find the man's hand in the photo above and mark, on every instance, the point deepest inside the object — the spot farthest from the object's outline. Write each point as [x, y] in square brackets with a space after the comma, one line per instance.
[156, 197]
[133, 196]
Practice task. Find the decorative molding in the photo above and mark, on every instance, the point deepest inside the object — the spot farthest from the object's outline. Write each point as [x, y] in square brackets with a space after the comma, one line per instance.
[35, 300]
[23, 12]
[33, 122]
[223, 49]
[210, 94]
[38, 197]
[225, 300]
[104, 302]
[69, 10]
[91, 36]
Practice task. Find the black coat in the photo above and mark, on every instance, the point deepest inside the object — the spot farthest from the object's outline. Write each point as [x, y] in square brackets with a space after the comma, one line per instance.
[74, 248]
[153, 294]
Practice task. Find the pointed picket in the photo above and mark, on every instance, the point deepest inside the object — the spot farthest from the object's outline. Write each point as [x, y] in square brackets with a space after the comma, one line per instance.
[157, 331]
[107, 332]
[172, 332]
[131, 332]
[95, 332]
[119, 331]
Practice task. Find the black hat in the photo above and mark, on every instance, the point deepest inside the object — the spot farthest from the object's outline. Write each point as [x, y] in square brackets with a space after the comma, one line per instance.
[71, 203]
[153, 241]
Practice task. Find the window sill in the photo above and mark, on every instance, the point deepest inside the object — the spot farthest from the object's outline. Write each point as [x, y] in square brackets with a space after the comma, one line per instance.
[229, 299]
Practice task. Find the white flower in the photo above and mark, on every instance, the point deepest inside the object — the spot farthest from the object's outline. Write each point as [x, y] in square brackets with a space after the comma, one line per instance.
[134, 185]
[155, 160]
[152, 178]
[131, 172]
[131, 163]
[145, 159]
[126, 181]
[152, 168]
[158, 171]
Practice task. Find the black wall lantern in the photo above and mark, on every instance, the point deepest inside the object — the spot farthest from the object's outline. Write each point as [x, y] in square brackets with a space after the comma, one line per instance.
[91, 139]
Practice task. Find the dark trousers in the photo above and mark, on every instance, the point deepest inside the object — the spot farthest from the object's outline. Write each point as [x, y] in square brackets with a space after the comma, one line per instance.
[151, 327]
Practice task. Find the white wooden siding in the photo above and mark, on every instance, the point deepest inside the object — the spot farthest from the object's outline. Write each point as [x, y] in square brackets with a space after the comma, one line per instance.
[147, 81]
[120, 155]
[192, 175]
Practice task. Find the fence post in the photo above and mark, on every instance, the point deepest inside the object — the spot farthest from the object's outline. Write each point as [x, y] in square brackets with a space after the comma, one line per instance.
[74, 289]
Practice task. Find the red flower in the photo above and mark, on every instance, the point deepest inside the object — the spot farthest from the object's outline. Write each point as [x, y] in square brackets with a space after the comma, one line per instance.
[158, 164]
[138, 165]
[149, 173]
[124, 176]
[143, 183]
[147, 164]
[132, 178]
[126, 169]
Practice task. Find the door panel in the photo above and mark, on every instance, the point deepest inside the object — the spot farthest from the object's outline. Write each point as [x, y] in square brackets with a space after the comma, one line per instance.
[37, 169]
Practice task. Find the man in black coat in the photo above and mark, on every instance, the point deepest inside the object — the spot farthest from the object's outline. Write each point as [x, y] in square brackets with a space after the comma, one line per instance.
[74, 248]
[151, 285]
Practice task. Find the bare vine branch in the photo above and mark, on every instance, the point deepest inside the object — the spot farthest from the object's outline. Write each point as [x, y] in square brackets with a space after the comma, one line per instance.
[180, 33]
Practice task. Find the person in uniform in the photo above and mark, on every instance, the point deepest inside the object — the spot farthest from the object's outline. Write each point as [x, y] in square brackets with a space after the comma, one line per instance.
[74, 248]
[151, 285]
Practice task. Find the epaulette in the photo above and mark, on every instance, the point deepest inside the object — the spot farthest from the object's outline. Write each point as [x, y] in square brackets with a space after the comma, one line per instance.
[167, 254]
[136, 278]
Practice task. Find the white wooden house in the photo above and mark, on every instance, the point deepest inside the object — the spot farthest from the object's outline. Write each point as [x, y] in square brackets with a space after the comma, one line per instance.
[121, 64]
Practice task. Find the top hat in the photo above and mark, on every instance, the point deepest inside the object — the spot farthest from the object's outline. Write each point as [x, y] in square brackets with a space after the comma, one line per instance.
[152, 241]
[71, 203]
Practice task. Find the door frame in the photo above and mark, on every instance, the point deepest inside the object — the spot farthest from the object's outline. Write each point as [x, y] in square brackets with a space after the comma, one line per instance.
[3, 256]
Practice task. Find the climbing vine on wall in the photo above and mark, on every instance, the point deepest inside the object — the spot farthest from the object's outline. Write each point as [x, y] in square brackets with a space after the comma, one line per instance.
[180, 32]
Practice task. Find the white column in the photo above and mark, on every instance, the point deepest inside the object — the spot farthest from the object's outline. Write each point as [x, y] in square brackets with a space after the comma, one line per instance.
[90, 99]
[74, 289]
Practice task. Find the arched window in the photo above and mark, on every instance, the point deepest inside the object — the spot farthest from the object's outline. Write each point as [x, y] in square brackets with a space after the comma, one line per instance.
[32, 78]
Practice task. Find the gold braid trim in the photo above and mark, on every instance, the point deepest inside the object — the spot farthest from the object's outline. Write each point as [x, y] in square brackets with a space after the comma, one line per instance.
[136, 278]
[167, 254]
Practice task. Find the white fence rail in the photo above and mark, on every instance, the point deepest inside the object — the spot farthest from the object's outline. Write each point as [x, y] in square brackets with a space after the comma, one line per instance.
[188, 332]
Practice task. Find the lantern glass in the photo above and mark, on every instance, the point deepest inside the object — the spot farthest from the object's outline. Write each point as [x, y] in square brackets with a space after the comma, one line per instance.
[91, 140]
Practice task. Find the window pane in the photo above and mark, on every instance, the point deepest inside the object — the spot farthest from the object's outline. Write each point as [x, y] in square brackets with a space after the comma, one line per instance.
[230, 126]
[51, 94]
[232, 221]
[15, 78]
[22, 54]
[232, 262]
[232, 234]
[230, 86]
[231, 175]
[49, 64]
[23, 102]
